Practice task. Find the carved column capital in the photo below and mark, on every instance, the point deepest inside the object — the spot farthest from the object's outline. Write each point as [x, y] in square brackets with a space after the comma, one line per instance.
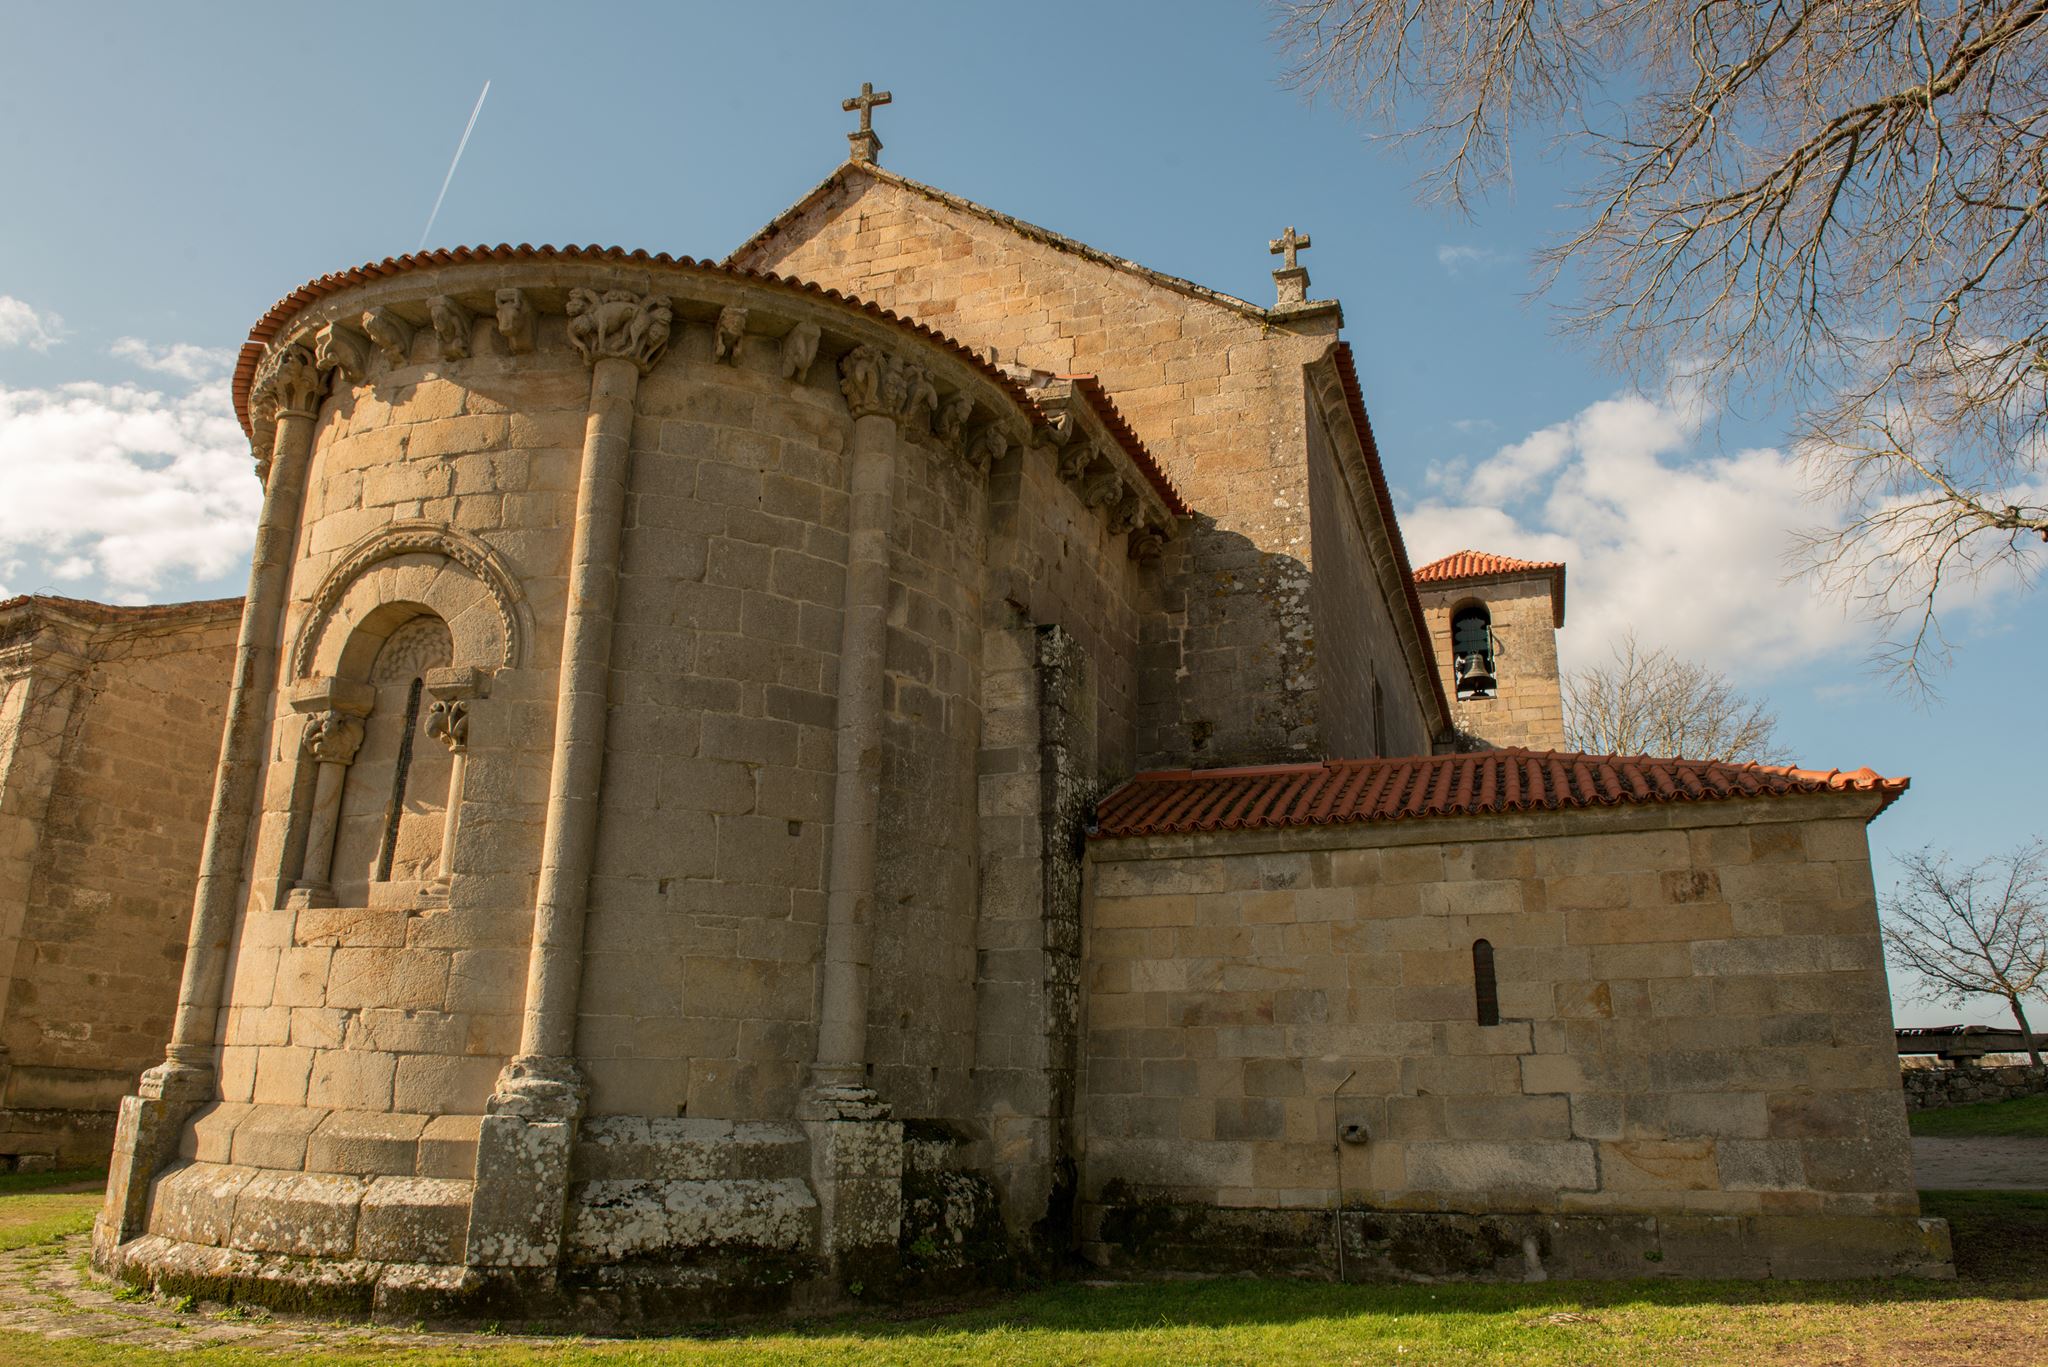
[619, 325]
[448, 722]
[333, 737]
[288, 383]
[863, 380]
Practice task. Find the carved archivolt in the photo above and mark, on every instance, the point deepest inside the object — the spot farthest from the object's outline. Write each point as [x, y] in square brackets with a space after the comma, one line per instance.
[481, 602]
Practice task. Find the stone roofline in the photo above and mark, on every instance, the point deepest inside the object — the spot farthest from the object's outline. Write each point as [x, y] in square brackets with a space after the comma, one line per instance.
[1280, 316]
[382, 306]
[43, 622]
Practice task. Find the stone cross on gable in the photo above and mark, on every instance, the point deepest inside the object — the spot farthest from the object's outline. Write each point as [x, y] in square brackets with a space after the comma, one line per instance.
[864, 141]
[1283, 246]
[1291, 280]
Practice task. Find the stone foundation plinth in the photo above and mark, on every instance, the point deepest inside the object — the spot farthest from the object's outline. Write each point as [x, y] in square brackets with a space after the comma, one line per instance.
[1432, 1246]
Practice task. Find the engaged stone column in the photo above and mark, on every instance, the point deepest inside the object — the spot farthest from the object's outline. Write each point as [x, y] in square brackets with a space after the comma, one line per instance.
[856, 1151]
[522, 1166]
[448, 722]
[287, 392]
[335, 710]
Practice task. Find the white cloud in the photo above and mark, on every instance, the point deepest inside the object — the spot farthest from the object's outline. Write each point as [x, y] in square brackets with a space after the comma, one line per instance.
[21, 325]
[1686, 549]
[123, 492]
[1455, 258]
[180, 359]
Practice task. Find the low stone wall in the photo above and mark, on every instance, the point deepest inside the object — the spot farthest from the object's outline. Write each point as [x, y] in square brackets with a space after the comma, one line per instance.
[1930, 1089]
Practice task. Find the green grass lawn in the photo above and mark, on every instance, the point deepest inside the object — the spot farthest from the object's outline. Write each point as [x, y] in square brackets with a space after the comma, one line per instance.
[1995, 1314]
[2024, 1118]
[31, 1212]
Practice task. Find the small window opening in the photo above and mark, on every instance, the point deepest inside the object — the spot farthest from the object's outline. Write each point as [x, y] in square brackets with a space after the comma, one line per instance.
[1485, 991]
[392, 813]
[1473, 646]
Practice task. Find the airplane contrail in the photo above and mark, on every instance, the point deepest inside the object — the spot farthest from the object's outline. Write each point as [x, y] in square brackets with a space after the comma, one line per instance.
[450, 177]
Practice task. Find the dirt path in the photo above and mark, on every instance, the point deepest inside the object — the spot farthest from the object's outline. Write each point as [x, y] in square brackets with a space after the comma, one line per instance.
[1980, 1164]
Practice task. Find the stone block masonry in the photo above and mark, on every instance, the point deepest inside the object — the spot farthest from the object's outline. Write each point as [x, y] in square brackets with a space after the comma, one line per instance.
[110, 719]
[1684, 1021]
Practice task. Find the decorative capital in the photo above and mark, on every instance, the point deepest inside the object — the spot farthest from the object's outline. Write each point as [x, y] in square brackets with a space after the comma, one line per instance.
[452, 324]
[1128, 513]
[344, 349]
[288, 383]
[1147, 542]
[726, 337]
[515, 320]
[333, 737]
[448, 722]
[619, 325]
[391, 333]
[799, 350]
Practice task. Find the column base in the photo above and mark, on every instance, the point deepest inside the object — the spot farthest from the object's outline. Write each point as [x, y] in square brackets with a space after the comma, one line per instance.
[309, 895]
[536, 1087]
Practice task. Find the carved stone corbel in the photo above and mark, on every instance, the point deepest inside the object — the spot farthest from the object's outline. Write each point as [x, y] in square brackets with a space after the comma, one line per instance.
[1147, 542]
[920, 399]
[619, 325]
[990, 445]
[391, 333]
[288, 383]
[862, 375]
[799, 350]
[1128, 513]
[726, 337]
[1104, 491]
[951, 424]
[452, 324]
[1074, 461]
[336, 347]
[1059, 427]
[515, 320]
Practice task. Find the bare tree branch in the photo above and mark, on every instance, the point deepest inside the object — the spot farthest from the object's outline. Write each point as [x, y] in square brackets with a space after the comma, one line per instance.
[1977, 931]
[1843, 202]
[1651, 703]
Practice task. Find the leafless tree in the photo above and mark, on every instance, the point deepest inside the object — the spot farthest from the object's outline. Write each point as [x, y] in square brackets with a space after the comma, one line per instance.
[1980, 931]
[1649, 702]
[1845, 203]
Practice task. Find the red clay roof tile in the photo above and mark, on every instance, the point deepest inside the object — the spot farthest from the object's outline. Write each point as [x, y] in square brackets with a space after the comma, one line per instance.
[285, 309]
[1461, 567]
[1339, 792]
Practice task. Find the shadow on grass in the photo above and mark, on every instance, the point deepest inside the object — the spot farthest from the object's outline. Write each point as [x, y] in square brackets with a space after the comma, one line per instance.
[78, 1179]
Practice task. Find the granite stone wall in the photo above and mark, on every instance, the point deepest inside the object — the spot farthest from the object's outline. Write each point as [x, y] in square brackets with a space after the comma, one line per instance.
[108, 734]
[1692, 1014]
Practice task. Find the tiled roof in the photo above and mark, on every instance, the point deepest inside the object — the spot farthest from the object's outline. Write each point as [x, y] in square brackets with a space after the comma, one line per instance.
[1338, 792]
[1461, 567]
[285, 309]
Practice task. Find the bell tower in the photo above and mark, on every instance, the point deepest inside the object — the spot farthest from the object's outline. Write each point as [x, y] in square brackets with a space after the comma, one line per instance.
[1493, 622]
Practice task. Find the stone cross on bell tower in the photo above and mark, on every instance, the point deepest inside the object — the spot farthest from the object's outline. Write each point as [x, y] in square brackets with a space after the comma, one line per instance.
[1292, 277]
[865, 142]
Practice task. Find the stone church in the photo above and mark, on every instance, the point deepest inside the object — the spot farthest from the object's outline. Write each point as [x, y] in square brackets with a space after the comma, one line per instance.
[914, 752]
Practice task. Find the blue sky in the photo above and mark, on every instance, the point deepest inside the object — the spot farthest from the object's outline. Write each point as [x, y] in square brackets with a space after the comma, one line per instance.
[170, 173]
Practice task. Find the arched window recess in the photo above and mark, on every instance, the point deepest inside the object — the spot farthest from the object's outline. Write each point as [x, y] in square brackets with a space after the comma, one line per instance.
[1473, 648]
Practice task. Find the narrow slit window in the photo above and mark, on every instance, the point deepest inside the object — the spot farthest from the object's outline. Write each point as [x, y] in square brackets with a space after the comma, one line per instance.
[398, 777]
[1485, 992]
